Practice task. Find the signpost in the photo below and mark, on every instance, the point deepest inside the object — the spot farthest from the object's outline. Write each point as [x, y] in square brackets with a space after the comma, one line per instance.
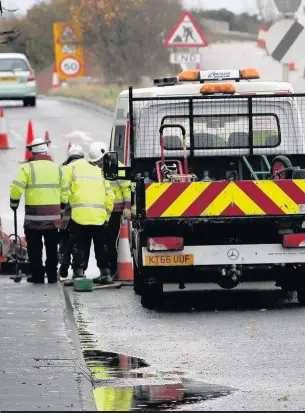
[186, 34]
[285, 43]
[287, 6]
[285, 40]
[69, 54]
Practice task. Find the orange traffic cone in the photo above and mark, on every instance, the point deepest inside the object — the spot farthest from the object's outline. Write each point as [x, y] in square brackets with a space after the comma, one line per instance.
[29, 140]
[125, 267]
[47, 137]
[3, 131]
[292, 66]
[55, 79]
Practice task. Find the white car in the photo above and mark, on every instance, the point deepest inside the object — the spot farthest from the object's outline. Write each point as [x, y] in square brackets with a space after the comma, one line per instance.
[17, 79]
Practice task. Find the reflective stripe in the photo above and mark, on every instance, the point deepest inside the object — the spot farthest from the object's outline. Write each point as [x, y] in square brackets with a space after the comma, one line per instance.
[19, 184]
[33, 173]
[43, 186]
[14, 203]
[127, 199]
[34, 185]
[42, 217]
[65, 189]
[118, 202]
[90, 178]
[84, 205]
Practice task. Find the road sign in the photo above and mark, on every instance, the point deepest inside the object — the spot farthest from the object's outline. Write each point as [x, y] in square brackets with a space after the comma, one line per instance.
[285, 41]
[181, 58]
[69, 53]
[70, 66]
[287, 6]
[186, 33]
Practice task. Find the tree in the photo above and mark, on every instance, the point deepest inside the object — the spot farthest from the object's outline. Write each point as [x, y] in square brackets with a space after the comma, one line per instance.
[124, 36]
[267, 10]
[10, 34]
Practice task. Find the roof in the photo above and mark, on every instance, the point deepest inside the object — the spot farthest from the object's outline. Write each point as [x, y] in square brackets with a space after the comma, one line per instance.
[13, 55]
[193, 89]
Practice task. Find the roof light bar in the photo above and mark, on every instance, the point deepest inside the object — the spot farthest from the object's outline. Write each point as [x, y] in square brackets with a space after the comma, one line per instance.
[214, 75]
[212, 88]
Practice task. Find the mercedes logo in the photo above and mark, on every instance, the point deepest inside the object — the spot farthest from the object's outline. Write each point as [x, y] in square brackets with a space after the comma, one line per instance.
[233, 254]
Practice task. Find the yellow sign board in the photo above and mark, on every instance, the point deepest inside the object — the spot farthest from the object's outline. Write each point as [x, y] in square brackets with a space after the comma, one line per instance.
[69, 52]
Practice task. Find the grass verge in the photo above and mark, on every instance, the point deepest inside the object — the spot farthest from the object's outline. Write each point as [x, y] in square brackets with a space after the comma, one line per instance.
[102, 95]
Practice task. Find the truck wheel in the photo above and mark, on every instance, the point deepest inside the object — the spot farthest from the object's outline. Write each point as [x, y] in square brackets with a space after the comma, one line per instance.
[152, 292]
[301, 294]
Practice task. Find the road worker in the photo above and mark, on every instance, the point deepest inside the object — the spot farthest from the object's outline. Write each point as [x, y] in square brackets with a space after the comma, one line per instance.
[65, 247]
[91, 201]
[122, 206]
[46, 196]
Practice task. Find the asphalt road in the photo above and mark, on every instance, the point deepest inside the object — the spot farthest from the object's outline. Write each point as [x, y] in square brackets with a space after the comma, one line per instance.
[248, 342]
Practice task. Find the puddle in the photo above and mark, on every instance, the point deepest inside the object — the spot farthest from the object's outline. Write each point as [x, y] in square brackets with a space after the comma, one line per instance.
[152, 398]
[112, 365]
[109, 371]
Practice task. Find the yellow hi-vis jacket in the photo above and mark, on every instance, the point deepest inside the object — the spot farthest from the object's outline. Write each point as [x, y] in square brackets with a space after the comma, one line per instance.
[122, 192]
[91, 197]
[45, 188]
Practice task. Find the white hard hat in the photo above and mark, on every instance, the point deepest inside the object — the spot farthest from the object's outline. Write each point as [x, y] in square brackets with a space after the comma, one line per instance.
[97, 151]
[76, 150]
[38, 146]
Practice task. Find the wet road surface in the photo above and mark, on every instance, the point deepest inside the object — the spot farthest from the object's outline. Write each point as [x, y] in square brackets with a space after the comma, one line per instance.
[249, 341]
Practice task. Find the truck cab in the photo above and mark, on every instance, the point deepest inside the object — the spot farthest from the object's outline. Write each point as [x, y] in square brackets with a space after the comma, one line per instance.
[216, 160]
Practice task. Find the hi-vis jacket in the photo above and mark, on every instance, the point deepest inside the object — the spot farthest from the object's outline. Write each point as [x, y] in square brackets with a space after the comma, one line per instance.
[45, 189]
[122, 192]
[91, 198]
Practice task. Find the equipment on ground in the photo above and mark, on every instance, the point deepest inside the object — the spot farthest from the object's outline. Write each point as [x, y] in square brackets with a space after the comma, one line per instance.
[17, 259]
[83, 285]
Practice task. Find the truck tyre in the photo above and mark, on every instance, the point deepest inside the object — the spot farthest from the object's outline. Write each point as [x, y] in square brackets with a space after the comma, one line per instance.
[301, 293]
[152, 292]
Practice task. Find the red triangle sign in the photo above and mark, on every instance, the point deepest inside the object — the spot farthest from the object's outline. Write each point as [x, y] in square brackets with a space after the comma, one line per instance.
[186, 33]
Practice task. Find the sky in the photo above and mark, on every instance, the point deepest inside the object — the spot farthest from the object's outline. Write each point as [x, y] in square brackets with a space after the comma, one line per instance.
[236, 6]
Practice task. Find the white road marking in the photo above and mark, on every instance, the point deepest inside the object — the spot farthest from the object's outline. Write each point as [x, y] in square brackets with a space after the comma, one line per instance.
[79, 134]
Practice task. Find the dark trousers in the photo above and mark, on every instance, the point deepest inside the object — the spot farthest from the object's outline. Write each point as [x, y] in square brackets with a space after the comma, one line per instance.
[112, 233]
[65, 246]
[34, 246]
[81, 239]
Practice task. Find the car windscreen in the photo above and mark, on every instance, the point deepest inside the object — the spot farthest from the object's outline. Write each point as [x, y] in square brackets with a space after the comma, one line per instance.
[13, 64]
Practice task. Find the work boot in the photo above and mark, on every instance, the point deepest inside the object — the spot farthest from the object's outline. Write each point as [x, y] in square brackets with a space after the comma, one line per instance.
[35, 280]
[78, 273]
[63, 271]
[104, 278]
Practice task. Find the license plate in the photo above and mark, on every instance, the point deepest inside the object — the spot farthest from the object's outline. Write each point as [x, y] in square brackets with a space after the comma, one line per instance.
[9, 79]
[175, 260]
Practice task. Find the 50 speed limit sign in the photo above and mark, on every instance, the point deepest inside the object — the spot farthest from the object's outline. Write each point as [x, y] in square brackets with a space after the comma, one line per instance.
[70, 66]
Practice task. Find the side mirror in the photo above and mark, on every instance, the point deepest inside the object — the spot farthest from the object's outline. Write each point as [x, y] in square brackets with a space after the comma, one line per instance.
[111, 166]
